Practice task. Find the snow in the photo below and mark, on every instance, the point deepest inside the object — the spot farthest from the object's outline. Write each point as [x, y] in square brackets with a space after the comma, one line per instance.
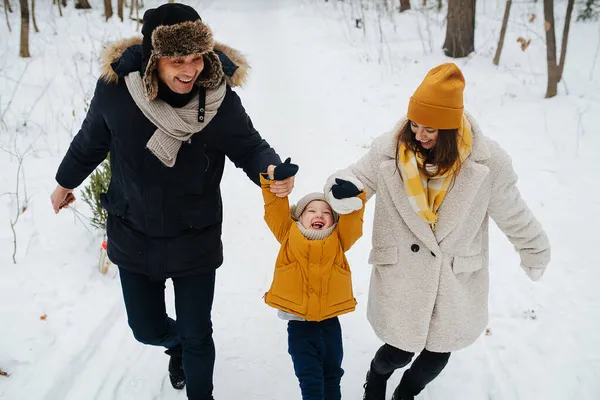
[320, 91]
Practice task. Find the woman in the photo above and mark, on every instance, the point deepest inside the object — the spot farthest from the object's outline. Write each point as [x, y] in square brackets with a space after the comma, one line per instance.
[437, 178]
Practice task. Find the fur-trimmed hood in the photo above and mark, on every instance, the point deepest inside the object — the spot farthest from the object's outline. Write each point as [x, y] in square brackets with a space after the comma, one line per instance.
[124, 56]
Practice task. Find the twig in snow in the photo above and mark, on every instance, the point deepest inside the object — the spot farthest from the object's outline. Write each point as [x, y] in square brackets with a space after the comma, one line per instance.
[6, 13]
[564, 82]
[580, 128]
[21, 205]
[595, 57]
[20, 211]
[79, 216]
[81, 85]
[38, 99]
[421, 35]
[13, 94]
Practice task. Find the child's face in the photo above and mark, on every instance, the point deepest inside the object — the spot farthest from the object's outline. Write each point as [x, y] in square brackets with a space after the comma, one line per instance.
[317, 216]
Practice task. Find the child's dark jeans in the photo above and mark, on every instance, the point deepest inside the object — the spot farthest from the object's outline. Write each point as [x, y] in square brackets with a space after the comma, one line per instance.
[316, 350]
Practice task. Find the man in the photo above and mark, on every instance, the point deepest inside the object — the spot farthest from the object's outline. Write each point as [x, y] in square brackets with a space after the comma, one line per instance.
[165, 111]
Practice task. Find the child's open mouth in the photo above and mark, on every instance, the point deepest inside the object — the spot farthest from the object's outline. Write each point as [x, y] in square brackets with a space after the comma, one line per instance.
[317, 225]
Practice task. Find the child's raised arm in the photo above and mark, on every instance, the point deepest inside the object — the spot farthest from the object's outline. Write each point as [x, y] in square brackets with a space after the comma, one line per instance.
[277, 209]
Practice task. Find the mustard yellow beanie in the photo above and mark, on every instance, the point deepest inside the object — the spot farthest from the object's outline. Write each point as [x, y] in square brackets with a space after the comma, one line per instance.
[438, 101]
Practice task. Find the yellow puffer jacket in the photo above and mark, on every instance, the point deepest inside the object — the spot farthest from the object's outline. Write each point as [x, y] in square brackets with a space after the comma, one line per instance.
[312, 277]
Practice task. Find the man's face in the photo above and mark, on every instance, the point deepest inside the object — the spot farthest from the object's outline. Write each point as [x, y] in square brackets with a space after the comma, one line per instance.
[180, 73]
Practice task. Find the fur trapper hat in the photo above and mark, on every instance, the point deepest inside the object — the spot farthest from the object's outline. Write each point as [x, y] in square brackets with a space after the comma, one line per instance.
[174, 30]
[297, 210]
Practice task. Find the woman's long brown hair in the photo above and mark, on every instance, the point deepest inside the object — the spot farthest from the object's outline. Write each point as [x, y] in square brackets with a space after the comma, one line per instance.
[444, 156]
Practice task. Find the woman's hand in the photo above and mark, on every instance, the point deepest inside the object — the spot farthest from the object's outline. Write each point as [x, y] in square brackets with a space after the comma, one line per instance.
[342, 195]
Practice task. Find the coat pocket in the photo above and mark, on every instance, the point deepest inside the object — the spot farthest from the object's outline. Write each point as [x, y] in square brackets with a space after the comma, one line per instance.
[469, 264]
[199, 219]
[288, 283]
[340, 286]
[202, 211]
[384, 255]
[112, 205]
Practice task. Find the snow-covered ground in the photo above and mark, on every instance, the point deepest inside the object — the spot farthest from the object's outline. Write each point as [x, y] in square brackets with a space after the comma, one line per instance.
[320, 90]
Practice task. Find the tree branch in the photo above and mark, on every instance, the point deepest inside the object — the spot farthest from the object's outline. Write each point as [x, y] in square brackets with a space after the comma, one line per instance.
[502, 32]
[565, 39]
[14, 92]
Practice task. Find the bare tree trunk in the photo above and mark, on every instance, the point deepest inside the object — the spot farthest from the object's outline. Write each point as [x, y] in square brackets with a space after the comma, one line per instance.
[552, 87]
[6, 8]
[565, 39]
[460, 29]
[555, 70]
[64, 3]
[132, 9]
[35, 27]
[120, 9]
[137, 15]
[439, 5]
[108, 11]
[59, 8]
[424, 3]
[82, 4]
[24, 50]
[404, 5]
[502, 32]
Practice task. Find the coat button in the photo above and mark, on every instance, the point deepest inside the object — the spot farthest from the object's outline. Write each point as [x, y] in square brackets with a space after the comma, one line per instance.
[415, 248]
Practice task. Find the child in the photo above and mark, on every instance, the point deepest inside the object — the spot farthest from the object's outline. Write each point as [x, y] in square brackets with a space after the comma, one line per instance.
[312, 283]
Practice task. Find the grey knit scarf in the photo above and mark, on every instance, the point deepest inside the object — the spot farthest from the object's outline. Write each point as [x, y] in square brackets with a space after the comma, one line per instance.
[173, 125]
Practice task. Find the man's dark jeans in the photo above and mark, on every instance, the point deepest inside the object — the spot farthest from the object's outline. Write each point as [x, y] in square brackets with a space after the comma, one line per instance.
[148, 319]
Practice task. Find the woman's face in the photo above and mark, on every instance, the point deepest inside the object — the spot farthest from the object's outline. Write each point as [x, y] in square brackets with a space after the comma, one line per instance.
[425, 135]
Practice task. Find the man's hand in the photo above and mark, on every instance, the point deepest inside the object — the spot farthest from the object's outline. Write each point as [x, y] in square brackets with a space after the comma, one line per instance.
[61, 198]
[283, 188]
[284, 176]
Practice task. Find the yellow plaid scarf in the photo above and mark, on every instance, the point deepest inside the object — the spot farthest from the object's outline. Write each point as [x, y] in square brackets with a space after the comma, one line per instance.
[426, 194]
